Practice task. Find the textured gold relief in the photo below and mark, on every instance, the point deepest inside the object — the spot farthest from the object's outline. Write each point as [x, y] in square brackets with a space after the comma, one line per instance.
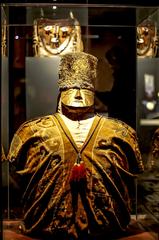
[77, 70]
[57, 36]
[45, 123]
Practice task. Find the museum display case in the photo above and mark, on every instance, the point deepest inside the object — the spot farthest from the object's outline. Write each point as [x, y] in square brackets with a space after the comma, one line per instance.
[147, 79]
[125, 39]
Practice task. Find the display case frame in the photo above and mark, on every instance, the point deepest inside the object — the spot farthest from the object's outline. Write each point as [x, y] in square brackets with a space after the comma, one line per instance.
[100, 23]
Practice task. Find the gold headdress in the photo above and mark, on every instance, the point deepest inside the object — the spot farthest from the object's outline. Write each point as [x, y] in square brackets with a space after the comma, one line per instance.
[77, 70]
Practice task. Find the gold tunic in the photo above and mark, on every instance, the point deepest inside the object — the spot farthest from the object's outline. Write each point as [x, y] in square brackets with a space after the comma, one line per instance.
[97, 204]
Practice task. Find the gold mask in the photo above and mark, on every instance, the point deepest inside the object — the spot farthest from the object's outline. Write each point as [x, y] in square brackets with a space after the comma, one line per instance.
[77, 98]
[57, 36]
[147, 39]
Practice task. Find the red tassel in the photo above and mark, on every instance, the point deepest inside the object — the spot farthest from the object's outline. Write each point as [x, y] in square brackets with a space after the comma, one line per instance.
[78, 172]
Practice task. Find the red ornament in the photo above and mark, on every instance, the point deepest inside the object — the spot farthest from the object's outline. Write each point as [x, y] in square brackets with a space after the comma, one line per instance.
[78, 172]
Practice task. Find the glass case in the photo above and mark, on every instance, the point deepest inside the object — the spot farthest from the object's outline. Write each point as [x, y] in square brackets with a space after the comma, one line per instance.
[35, 36]
[147, 104]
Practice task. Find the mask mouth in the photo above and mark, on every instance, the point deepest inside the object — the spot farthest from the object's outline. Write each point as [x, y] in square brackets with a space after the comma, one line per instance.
[75, 108]
[77, 104]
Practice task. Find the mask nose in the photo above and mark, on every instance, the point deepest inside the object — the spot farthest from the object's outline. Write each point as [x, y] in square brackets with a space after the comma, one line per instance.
[78, 95]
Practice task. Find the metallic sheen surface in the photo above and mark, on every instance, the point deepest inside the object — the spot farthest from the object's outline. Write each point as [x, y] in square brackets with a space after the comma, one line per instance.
[77, 97]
